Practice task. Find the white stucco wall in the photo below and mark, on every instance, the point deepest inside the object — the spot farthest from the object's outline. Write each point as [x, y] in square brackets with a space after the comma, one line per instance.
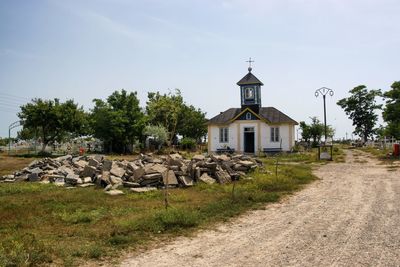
[263, 141]
[284, 131]
[213, 138]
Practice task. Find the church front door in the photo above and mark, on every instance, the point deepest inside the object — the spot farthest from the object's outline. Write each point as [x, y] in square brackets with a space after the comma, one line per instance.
[249, 140]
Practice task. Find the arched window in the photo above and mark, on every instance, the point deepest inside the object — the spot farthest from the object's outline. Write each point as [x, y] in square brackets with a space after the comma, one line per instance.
[248, 116]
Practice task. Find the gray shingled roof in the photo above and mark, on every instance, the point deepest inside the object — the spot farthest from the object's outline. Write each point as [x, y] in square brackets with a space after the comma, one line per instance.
[249, 78]
[225, 117]
[275, 116]
[271, 114]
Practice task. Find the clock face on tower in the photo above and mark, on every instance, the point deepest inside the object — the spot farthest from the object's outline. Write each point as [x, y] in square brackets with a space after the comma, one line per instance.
[249, 93]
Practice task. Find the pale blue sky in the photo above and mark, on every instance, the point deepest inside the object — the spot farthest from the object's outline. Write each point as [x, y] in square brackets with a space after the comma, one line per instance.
[88, 49]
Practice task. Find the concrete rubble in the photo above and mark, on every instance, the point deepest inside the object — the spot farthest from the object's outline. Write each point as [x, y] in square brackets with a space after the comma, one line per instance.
[144, 174]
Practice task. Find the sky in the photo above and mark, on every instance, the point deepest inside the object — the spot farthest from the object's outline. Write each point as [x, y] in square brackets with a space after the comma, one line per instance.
[87, 49]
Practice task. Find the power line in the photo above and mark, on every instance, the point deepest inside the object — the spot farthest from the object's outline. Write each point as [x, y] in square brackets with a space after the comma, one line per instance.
[8, 110]
[3, 105]
[9, 105]
[12, 100]
[13, 96]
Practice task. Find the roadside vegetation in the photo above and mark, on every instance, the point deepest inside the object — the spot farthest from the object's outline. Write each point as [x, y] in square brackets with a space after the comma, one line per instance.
[42, 223]
[385, 155]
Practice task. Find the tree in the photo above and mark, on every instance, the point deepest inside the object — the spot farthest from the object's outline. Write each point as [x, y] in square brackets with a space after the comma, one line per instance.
[381, 131]
[158, 133]
[6, 141]
[170, 111]
[391, 112]
[192, 123]
[165, 110]
[118, 122]
[360, 107]
[315, 131]
[52, 120]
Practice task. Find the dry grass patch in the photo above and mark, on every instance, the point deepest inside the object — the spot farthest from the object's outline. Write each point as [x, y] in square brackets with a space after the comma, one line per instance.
[122, 157]
[8, 164]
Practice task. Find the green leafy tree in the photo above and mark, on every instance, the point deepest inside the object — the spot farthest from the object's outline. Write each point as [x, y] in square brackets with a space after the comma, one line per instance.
[391, 112]
[313, 132]
[52, 120]
[305, 131]
[170, 111]
[6, 141]
[381, 131]
[27, 134]
[158, 133]
[118, 122]
[192, 123]
[360, 106]
[165, 110]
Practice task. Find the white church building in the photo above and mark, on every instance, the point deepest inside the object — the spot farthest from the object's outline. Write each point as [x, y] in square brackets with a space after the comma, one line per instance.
[251, 128]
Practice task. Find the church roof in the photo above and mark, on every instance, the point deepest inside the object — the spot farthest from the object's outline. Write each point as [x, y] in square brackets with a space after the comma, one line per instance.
[270, 114]
[225, 117]
[248, 79]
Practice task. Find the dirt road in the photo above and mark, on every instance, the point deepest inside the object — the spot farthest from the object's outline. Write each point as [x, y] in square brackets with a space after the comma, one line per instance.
[351, 217]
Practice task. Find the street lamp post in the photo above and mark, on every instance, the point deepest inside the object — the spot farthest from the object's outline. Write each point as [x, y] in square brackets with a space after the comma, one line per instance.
[324, 91]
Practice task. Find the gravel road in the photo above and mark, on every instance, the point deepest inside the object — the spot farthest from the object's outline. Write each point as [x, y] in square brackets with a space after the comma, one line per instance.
[351, 217]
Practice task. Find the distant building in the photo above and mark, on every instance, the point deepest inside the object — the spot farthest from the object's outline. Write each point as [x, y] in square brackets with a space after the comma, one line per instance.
[251, 128]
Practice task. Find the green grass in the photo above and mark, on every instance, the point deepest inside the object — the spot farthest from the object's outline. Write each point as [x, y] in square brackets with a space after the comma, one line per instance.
[381, 154]
[41, 224]
[307, 157]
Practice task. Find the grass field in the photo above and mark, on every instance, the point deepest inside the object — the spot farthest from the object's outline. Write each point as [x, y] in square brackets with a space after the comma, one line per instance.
[42, 224]
[310, 156]
[10, 164]
[382, 154]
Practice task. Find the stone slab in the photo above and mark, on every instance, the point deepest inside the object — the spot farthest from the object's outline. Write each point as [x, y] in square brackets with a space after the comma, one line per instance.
[205, 178]
[143, 189]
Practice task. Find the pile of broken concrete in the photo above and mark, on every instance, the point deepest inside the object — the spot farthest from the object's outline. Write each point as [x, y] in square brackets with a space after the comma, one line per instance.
[143, 174]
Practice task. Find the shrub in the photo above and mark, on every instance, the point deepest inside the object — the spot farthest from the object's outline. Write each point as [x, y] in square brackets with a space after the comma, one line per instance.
[158, 134]
[188, 143]
[44, 154]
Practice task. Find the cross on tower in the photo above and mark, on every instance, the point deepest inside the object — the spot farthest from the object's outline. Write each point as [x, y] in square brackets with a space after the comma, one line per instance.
[250, 61]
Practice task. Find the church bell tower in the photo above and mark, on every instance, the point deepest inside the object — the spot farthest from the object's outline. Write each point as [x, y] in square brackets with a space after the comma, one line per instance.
[250, 91]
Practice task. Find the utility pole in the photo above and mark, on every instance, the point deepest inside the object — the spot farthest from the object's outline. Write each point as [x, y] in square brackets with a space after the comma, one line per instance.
[324, 91]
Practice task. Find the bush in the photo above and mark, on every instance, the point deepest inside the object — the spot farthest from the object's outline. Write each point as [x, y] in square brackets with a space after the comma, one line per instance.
[158, 134]
[188, 143]
[44, 154]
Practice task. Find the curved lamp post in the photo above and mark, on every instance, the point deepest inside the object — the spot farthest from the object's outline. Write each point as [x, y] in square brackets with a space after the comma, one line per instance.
[324, 91]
